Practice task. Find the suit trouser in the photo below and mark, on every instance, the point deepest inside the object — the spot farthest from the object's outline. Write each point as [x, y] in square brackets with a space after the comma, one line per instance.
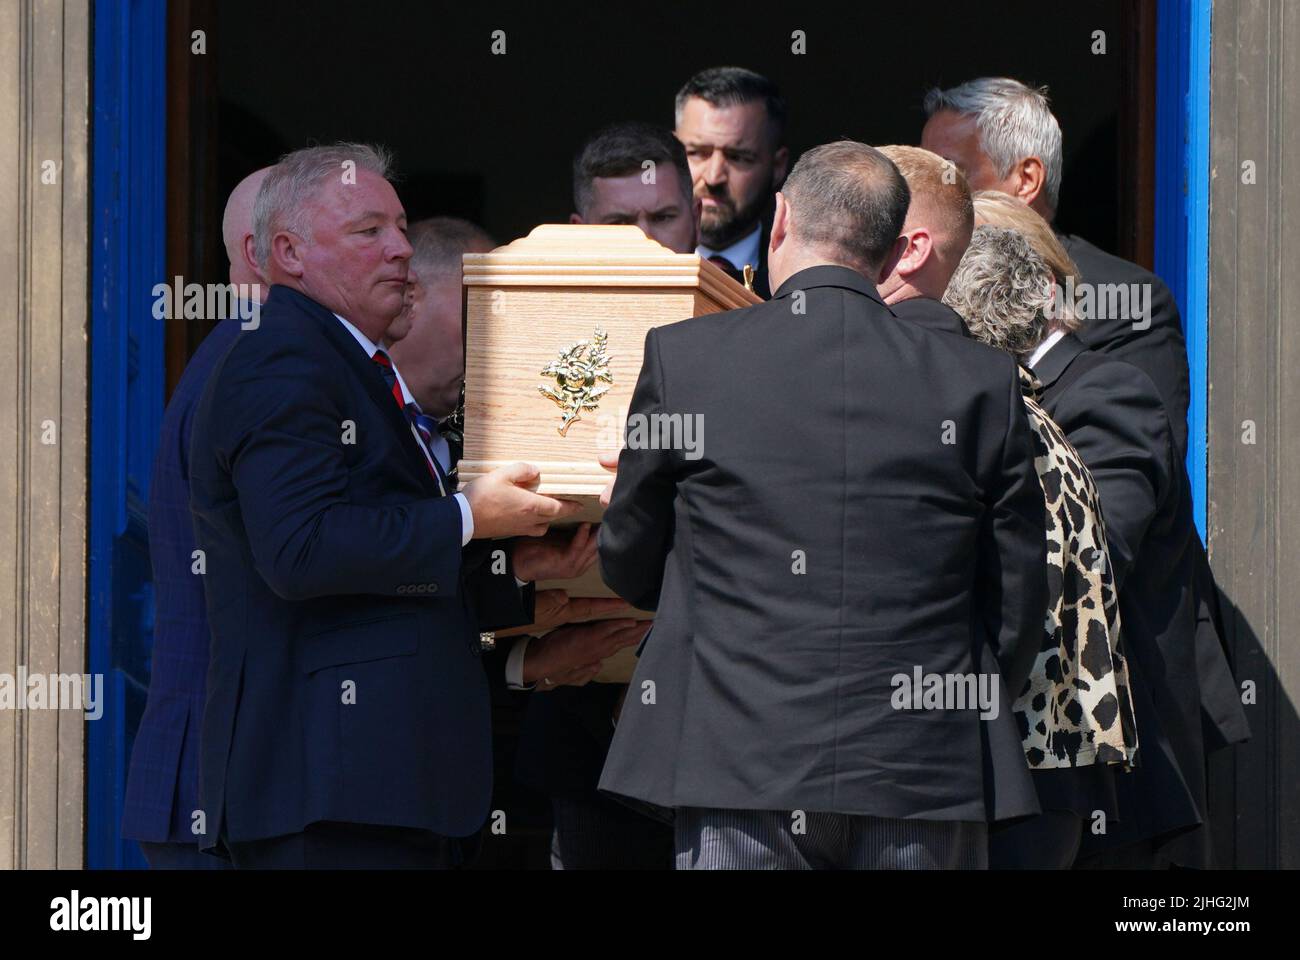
[353, 846]
[603, 834]
[713, 839]
[180, 856]
[1046, 841]
[1139, 855]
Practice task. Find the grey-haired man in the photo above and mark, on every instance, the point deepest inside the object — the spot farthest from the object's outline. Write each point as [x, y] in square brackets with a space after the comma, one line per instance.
[1004, 136]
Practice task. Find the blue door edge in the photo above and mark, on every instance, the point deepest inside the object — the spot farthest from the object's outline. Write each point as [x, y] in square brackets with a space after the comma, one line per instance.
[128, 230]
[1182, 204]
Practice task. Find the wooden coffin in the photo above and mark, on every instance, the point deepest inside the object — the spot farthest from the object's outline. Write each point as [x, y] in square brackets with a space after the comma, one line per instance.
[528, 304]
[555, 324]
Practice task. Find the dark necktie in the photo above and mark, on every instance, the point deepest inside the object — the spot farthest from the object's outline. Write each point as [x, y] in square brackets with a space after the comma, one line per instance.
[410, 413]
[727, 267]
[428, 428]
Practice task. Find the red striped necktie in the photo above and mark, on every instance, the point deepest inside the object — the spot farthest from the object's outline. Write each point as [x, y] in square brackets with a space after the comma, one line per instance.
[409, 415]
[390, 378]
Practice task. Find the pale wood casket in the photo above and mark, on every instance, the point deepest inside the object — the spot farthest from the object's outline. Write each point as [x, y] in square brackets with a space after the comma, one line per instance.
[575, 301]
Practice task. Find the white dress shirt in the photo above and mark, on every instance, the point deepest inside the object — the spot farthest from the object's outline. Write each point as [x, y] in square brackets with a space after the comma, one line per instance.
[1041, 350]
[743, 251]
[515, 659]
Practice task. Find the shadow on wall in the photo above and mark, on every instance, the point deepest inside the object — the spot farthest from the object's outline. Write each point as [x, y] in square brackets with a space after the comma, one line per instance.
[1253, 824]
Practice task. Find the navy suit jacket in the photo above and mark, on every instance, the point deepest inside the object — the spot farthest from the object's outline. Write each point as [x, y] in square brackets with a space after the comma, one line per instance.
[345, 681]
[163, 779]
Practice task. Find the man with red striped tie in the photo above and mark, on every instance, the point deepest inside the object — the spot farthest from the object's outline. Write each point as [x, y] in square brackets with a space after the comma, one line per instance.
[347, 720]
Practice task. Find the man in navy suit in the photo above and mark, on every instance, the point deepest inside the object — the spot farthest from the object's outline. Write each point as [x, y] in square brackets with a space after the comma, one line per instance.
[163, 780]
[347, 719]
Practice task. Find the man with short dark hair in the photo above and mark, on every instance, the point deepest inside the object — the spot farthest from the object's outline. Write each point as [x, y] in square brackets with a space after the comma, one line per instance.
[636, 173]
[625, 173]
[732, 123]
[866, 509]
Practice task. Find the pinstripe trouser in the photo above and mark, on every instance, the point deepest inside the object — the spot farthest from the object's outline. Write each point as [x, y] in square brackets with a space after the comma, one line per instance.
[714, 839]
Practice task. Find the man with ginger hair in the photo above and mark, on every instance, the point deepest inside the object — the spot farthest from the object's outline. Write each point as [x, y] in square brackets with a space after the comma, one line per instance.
[938, 228]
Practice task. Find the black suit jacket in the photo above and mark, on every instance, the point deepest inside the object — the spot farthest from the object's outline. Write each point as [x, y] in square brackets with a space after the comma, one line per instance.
[565, 738]
[761, 286]
[931, 314]
[827, 540]
[1159, 351]
[1114, 416]
[345, 680]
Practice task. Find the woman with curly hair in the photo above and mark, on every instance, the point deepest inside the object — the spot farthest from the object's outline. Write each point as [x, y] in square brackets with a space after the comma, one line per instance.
[1075, 711]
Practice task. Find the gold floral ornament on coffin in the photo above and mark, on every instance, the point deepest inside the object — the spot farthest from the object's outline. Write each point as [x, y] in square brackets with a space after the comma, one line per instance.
[579, 372]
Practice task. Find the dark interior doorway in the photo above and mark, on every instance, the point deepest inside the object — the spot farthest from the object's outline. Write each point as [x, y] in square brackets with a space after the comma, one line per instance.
[491, 137]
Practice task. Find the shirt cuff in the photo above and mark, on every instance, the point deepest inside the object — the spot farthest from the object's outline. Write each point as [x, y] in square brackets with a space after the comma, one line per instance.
[515, 665]
[466, 520]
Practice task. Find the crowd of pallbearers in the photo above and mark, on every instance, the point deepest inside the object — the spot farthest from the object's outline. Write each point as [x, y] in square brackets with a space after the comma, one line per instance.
[953, 412]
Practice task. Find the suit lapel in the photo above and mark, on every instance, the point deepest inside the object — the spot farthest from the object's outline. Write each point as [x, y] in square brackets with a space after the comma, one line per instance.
[1049, 369]
[371, 380]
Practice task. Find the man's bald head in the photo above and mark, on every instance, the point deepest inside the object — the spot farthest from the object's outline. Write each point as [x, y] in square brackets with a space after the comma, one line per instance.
[432, 354]
[940, 218]
[237, 230]
[843, 203]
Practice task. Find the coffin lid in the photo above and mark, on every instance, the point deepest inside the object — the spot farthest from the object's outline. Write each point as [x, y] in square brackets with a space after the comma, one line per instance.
[585, 255]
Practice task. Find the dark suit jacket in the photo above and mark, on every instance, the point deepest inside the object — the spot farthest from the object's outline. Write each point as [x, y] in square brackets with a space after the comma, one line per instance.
[1160, 351]
[565, 738]
[163, 781]
[1115, 417]
[828, 540]
[761, 286]
[931, 314]
[345, 681]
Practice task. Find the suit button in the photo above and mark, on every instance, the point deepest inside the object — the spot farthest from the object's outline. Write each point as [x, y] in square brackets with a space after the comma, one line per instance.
[433, 588]
[402, 588]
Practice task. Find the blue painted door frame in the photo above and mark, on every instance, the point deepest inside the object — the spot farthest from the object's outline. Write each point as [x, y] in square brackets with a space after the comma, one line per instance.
[128, 230]
[1182, 205]
[128, 234]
